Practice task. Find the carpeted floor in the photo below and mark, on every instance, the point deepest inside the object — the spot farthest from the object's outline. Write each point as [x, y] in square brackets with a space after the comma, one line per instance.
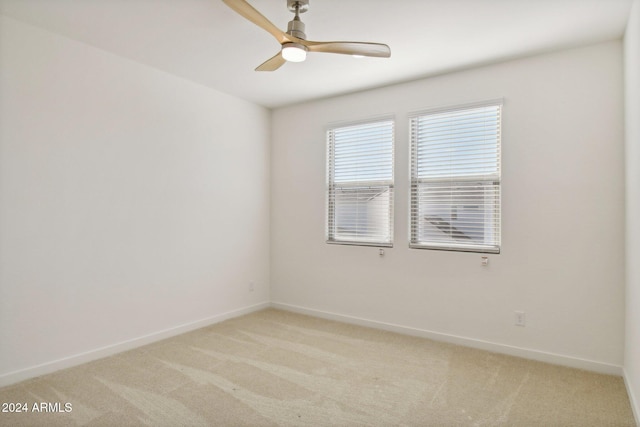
[280, 368]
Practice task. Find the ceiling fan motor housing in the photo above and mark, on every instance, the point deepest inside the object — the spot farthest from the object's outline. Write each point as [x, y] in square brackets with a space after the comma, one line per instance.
[296, 28]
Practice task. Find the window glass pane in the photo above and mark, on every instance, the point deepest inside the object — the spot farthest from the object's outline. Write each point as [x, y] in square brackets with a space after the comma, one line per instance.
[363, 152]
[362, 214]
[462, 212]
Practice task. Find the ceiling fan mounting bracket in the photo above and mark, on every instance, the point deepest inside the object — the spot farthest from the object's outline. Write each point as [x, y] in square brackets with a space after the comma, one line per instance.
[303, 5]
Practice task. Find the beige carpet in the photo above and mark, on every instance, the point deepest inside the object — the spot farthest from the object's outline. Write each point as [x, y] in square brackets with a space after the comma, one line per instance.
[280, 368]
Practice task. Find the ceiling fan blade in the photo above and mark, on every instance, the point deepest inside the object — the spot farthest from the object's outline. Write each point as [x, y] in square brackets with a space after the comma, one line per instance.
[247, 11]
[350, 48]
[272, 64]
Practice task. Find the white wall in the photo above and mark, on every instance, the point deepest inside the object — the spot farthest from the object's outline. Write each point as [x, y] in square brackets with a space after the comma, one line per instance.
[632, 155]
[562, 259]
[133, 204]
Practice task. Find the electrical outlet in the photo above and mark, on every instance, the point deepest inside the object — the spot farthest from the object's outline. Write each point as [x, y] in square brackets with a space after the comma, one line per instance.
[520, 318]
[252, 286]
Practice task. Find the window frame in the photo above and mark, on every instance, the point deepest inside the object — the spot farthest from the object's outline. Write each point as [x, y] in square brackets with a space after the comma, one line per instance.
[331, 234]
[484, 181]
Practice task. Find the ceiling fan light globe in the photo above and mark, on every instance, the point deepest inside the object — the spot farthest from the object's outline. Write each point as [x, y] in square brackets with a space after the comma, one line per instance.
[294, 52]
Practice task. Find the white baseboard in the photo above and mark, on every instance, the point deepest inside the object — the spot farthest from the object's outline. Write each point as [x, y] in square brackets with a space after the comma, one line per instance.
[74, 360]
[632, 398]
[99, 353]
[541, 356]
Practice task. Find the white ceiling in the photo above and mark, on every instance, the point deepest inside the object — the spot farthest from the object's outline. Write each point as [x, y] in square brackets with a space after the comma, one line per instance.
[206, 42]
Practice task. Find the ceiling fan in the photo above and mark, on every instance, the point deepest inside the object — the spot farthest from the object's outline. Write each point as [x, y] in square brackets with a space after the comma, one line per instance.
[294, 41]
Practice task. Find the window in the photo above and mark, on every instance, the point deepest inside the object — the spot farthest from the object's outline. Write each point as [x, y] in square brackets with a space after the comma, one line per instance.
[360, 184]
[455, 178]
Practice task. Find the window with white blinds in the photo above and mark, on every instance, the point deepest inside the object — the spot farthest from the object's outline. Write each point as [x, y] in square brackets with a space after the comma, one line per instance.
[455, 178]
[360, 184]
